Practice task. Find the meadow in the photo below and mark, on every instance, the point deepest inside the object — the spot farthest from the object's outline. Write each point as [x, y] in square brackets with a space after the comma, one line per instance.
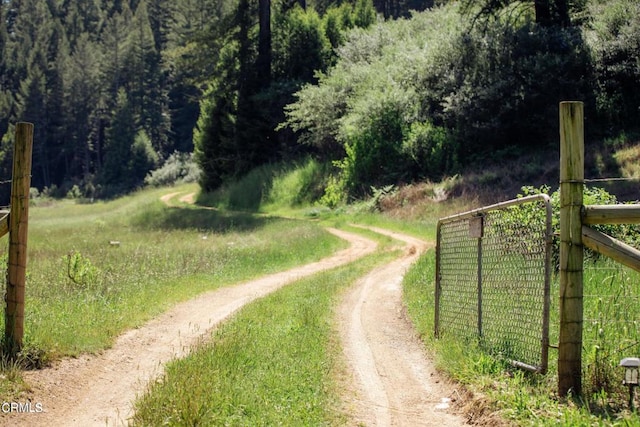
[98, 269]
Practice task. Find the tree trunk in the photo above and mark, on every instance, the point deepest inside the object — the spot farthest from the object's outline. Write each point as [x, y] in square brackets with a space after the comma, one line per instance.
[562, 13]
[263, 62]
[543, 12]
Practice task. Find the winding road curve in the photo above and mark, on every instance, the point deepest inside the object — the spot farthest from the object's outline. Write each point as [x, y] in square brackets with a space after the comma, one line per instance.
[390, 381]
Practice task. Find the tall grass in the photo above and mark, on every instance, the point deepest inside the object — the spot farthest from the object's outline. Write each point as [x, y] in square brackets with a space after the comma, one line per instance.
[272, 188]
[274, 363]
[611, 333]
[96, 270]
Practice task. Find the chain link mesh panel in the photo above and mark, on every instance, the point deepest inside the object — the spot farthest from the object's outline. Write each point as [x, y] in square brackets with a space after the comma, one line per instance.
[492, 284]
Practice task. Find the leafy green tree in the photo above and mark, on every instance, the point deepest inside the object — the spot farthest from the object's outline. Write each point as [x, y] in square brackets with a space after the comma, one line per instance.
[547, 13]
[614, 33]
[410, 99]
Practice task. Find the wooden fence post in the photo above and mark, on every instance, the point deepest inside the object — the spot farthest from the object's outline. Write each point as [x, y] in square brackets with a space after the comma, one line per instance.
[18, 227]
[571, 250]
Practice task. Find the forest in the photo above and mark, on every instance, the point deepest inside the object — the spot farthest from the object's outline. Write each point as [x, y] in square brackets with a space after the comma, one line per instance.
[384, 91]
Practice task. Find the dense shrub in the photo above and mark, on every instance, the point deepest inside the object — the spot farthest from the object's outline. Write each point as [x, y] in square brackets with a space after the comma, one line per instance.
[177, 169]
[614, 38]
[510, 79]
[410, 99]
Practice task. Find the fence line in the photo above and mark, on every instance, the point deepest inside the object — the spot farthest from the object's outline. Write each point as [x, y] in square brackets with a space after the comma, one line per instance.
[493, 268]
[463, 294]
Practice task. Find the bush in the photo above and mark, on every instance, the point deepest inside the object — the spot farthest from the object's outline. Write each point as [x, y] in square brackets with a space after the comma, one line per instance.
[432, 149]
[614, 39]
[410, 99]
[179, 168]
[297, 185]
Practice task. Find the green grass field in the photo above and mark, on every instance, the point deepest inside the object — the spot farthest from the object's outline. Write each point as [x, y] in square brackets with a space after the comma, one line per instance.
[98, 269]
[95, 270]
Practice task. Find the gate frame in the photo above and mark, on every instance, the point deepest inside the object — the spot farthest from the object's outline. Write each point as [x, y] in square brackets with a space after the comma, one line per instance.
[479, 213]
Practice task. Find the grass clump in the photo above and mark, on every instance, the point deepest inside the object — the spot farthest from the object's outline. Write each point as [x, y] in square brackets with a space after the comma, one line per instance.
[272, 188]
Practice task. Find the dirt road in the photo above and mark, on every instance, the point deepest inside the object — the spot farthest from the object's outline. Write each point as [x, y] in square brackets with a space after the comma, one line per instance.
[390, 381]
[393, 383]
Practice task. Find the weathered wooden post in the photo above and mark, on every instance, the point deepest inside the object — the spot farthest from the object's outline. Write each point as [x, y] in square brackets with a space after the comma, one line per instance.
[571, 250]
[18, 227]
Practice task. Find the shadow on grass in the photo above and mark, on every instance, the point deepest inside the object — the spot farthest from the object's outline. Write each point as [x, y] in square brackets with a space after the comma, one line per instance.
[197, 218]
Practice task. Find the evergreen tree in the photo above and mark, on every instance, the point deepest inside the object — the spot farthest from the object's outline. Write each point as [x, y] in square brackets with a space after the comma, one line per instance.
[80, 17]
[5, 93]
[83, 90]
[162, 20]
[120, 136]
[37, 81]
[145, 81]
[114, 43]
[216, 150]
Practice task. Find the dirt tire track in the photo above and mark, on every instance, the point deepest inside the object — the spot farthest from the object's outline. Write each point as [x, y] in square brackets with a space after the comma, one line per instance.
[99, 390]
[392, 382]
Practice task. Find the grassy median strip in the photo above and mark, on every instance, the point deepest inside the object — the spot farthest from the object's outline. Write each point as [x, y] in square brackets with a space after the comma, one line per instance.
[272, 364]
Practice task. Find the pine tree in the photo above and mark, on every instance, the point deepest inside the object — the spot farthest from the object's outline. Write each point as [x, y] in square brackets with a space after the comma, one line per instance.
[120, 136]
[38, 50]
[216, 150]
[83, 90]
[162, 21]
[5, 94]
[145, 82]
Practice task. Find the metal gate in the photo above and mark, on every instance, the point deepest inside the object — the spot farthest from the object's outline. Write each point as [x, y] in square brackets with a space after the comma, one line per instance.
[493, 268]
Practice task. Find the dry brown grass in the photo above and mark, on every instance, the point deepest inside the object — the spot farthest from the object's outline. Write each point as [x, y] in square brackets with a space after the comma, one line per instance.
[628, 160]
[495, 180]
